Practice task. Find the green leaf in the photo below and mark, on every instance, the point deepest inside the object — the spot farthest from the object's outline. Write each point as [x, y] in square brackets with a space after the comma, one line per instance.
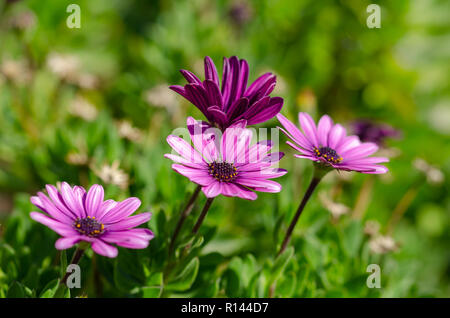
[128, 271]
[50, 289]
[286, 286]
[155, 279]
[63, 262]
[280, 263]
[151, 292]
[62, 292]
[232, 283]
[257, 285]
[352, 237]
[16, 290]
[186, 278]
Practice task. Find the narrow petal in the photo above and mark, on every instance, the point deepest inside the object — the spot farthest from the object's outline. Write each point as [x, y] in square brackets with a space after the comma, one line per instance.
[336, 135]
[134, 238]
[269, 173]
[245, 193]
[211, 71]
[243, 78]
[190, 77]
[199, 176]
[234, 82]
[217, 115]
[64, 243]
[213, 93]
[105, 207]
[234, 141]
[104, 249]
[199, 97]
[273, 108]
[94, 199]
[59, 202]
[130, 222]
[47, 206]
[70, 200]
[323, 129]
[348, 143]
[122, 210]
[309, 128]
[264, 80]
[361, 151]
[260, 184]
[212, 190]
[294, 133]
[184, 149]
[237, 108]
[183, 161]
[58, 227]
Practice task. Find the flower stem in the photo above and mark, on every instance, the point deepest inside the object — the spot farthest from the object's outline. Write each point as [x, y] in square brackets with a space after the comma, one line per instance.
[186, 249]
[202, 215]
[75, 259]
[314, 182]
[187, 210]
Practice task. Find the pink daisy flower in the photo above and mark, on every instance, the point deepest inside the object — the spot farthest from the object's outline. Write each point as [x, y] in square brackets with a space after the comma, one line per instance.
[79, 216]
[228, 165]
[328, 145]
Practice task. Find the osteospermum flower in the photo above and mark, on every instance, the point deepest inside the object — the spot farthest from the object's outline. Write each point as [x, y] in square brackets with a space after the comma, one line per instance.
[329, 145]
[228, 165]
[233, 101]
[78, 216]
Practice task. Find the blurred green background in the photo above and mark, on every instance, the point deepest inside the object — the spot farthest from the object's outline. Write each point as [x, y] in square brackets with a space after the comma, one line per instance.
[92, 105]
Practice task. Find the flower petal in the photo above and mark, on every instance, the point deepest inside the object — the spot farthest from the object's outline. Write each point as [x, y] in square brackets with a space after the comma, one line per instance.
[94, 199]
[122, 210]
[184, 149]
[323, 130]
[212, 190]
[268, 112]
[64, 243]
[58, 227]
[199, 176]
[211, 71]
[129, 222]
[336, 135]
[104, 249]
[58, 201]
[309, 128]
[294, 133]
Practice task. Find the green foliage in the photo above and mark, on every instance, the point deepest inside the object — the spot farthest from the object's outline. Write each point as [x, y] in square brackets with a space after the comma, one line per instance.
[326, 61]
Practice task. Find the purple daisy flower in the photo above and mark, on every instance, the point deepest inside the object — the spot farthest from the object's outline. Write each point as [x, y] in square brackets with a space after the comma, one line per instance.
[329, 145]
[228, 165]
[79, 216]
[233, 101]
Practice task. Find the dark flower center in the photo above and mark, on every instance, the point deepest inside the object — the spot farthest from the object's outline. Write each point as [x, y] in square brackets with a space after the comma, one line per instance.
[328, 154]
[89, 226]
[222, 171]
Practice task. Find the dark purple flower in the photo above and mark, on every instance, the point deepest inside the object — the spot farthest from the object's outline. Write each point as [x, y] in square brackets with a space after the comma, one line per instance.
[78, 216]
[240, 13]
[369, 131]
[226, 103]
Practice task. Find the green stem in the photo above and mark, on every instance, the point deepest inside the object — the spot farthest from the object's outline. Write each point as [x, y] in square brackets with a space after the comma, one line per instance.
[202, 216]
[75, 259]
[318, 174]
[187, 210]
